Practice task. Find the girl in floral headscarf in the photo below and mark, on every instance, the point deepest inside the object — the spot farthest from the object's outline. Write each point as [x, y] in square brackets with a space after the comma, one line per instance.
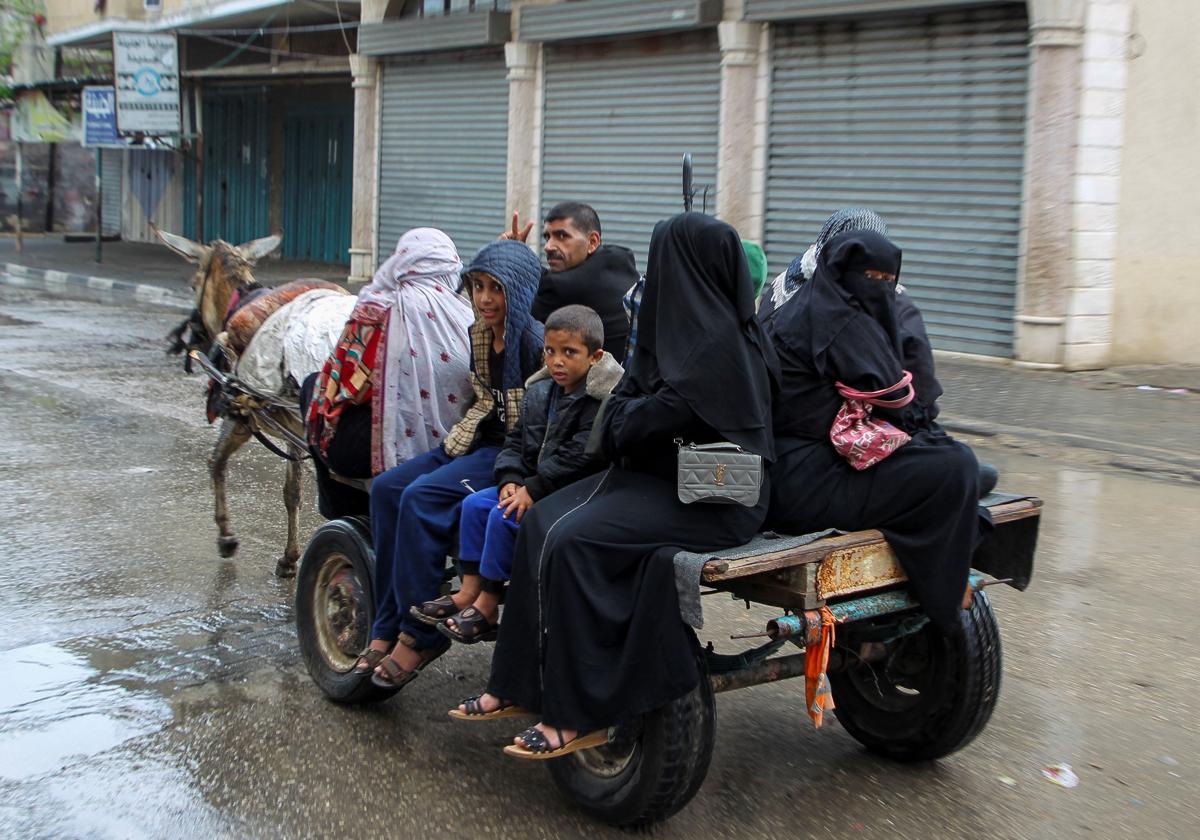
[405, 350]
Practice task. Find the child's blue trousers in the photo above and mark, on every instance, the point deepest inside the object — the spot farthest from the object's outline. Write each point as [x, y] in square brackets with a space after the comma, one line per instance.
[485, 536]
[414, 511]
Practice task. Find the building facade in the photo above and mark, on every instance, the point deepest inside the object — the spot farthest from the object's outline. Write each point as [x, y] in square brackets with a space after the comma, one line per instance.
[1033, 157]
[998, 138]
[267, 119]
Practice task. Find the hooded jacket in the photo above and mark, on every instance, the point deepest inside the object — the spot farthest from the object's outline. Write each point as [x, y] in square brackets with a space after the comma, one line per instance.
[600, 282]
[545, 455]
[517, 269]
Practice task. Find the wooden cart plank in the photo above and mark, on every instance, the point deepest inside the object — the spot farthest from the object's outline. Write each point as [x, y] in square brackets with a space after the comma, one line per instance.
[861, 546]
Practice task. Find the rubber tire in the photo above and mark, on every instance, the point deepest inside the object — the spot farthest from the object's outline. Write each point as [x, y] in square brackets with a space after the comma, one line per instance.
[351, 538]
[949, 712]
[674, 748]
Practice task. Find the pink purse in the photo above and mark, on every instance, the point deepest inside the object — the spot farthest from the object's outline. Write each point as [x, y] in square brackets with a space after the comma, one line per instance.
[861, 439]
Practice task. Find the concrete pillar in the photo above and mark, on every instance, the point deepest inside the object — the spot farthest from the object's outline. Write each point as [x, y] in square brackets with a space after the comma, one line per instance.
[364, 213]
[1045, 265]
[735, 153]
[524, 60]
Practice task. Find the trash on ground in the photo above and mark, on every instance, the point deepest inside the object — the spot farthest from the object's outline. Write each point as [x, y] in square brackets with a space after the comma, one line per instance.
[1061, 774]
[1148, 388]
[1170, 762]
[1007, 780]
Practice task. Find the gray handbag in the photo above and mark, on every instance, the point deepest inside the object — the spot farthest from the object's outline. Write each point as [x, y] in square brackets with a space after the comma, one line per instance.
[721, 473]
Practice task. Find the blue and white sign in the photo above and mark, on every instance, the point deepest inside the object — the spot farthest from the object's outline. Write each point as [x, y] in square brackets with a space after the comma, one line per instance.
[146, 70]
[100, 118]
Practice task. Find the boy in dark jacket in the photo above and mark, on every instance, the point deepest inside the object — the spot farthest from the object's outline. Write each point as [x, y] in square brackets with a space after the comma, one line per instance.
[543, 452]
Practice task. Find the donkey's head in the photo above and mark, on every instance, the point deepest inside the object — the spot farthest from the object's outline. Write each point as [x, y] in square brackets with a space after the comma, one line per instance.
[221, 269]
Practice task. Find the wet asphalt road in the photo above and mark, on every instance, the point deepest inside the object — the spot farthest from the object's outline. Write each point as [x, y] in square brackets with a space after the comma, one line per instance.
[150, 689]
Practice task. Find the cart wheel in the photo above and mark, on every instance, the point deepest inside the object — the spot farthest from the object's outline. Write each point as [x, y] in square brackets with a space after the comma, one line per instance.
[930, 696]
[335, 607]
[648, 770]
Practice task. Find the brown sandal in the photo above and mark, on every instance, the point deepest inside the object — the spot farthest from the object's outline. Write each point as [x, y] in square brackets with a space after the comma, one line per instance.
[394, 676]
[470, 626]
[431, 612]
[368, 659]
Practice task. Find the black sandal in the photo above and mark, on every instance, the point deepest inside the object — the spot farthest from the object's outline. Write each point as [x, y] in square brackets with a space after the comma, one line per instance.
[538, 747]
[431, 612]
[470, 626]
[473, 710]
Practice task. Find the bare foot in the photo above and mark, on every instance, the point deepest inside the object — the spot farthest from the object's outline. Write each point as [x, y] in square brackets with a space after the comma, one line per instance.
[466, 596]
[553, 741]
[968, 596]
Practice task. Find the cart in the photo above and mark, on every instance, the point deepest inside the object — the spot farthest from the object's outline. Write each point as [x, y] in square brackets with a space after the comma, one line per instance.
[901, 687]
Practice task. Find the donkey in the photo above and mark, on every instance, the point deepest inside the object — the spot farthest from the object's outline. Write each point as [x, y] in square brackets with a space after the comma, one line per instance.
[223, 271]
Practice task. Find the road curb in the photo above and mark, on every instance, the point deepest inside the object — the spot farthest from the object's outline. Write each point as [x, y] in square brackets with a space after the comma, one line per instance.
[87, 287]
[1131, 456]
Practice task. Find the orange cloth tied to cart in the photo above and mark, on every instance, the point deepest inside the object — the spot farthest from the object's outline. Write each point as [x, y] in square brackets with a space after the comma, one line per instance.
[817, 694]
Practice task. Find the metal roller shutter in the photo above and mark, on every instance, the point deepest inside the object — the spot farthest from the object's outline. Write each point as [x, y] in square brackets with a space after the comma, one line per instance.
[618, 119]
[444, 150]
[112, 172]
[921, 118]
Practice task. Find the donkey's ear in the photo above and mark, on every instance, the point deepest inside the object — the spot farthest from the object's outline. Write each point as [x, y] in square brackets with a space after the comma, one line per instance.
[191, 251]
[256, 249]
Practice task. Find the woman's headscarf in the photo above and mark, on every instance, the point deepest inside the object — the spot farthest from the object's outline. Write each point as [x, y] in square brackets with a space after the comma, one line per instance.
[857, 273]
[698, 328]
[757, 261]
[406, 348]
[519, 271]
[803, 267]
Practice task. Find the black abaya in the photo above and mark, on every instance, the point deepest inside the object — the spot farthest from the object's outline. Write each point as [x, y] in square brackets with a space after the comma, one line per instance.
[843, 326]
[591, 633]
[614, 646]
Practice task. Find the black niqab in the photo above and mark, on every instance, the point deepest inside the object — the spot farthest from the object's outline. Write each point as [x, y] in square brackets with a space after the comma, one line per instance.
[698, 332]
[856, 273]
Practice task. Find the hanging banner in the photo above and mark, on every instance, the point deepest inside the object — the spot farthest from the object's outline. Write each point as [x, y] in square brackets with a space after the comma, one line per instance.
[100, 119]
[36, 120]
[146, 70]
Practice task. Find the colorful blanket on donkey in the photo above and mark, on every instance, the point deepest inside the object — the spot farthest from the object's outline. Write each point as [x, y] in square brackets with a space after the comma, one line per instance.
[244, 323]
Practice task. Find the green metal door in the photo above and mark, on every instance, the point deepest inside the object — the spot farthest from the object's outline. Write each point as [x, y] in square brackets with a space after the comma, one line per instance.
[317, 176]
[236, 166]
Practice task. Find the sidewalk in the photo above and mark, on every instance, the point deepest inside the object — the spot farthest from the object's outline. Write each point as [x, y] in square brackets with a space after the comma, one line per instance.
[131, 272]
[1127, 417]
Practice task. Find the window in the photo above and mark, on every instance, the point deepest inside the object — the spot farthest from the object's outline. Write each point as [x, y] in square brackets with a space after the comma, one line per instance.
[436, 8]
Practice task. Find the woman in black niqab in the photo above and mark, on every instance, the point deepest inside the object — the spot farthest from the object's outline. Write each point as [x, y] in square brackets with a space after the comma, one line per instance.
[842, 326]
[591, 634]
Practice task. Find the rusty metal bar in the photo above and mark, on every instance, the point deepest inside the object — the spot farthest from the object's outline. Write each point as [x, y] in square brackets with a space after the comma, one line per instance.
[789, 667]
[773, 670]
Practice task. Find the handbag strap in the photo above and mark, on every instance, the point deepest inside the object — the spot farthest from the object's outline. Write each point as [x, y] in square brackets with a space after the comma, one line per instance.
[873, 397]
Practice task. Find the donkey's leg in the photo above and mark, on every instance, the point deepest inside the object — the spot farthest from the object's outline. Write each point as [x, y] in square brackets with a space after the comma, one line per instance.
[233, 434]
[286, 567]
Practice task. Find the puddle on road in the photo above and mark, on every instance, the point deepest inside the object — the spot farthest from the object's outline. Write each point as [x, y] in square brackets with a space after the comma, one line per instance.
[53, 711]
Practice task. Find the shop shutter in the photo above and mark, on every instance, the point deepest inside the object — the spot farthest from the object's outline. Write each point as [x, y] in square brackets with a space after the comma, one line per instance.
[921, 118]
[112, 171]
[618, 120]
[444, 149]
